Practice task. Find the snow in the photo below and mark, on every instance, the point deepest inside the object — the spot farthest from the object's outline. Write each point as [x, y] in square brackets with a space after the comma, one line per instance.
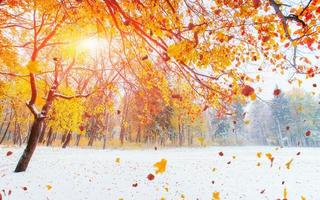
[94, 174]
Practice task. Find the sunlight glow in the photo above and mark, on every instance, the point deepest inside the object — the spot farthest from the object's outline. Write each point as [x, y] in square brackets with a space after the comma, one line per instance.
[92, 44]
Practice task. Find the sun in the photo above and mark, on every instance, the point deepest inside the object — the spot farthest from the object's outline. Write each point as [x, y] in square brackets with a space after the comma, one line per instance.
[91, 44]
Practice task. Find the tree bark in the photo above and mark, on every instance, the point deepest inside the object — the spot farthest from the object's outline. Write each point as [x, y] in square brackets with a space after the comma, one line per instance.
[31, 146]
[5, 132]
[104, 141]
[78, 139]
[67, 140]
[43, 132]
[49, 138]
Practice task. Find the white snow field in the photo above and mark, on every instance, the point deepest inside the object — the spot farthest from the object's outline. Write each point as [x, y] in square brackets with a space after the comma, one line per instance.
[94, 174]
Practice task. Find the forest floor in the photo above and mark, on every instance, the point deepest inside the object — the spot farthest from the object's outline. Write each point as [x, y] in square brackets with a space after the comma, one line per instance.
[192, 173]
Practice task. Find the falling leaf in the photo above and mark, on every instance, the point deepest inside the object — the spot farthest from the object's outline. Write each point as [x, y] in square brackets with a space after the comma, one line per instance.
[216, 196]
[160, 166]
[262, 191]
[49, 187]
[150, 177]
[258, 164]
[234, 157]
[308, 133]
[303, 198]
[214, 169]
[135, 185]
[285, 194]
[259, 154]
[246, 122]
[288, 164]
[9, 193]
[229, 162]
[220, 153]
[117, 160]
[269, 156]
[9, 153]
[276, 92]
[25, 188]
[298, 153]
[247, 90]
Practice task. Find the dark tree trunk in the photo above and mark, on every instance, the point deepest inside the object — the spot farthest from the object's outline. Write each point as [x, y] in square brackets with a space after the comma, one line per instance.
[49, 138]
[104, 141]
[63, 138]
[122, 134]
[31, 146]
[43, 132]
[92, 138]
[138, 139]
[78, 139]
[67, 140]
[5, 132]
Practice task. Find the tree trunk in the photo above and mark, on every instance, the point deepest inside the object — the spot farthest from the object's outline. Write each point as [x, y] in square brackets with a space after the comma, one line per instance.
[31, 146]
[67, 140]
[49, 138]
[138, 138]
[5, 132]
[104, 141]
[91, 138]
[43, 132]
[78, 139]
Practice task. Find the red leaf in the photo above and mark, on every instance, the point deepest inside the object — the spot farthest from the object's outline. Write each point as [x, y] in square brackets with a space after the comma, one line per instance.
[247, 90]
[25, 188]
[298, 154]
[276, 92]
[308, 133]
[314, 85]
[9, 153]
[318, 10]
[220, 153]
[256, 3]
[229, 162]
[262, 191]
[9, 193]
[150, 177]
[135, 185]
[287, 45]
[0, 196]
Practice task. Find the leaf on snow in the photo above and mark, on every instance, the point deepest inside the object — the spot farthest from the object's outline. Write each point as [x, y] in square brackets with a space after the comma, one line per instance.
[160, 166]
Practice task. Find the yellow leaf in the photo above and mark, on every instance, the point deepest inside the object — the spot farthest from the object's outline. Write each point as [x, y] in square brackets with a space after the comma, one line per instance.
[258, 164]
[161, 166]
[269, 156]
[288, 164]
[303, 198]
[216, 196]
[253, 97]
[33, 67]
[118, 160]
[259, 154]
[285, 193]
[246, 122]
[49, 187]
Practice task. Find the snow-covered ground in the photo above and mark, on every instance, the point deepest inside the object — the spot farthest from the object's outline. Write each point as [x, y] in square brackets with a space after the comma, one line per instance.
[192, 173]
